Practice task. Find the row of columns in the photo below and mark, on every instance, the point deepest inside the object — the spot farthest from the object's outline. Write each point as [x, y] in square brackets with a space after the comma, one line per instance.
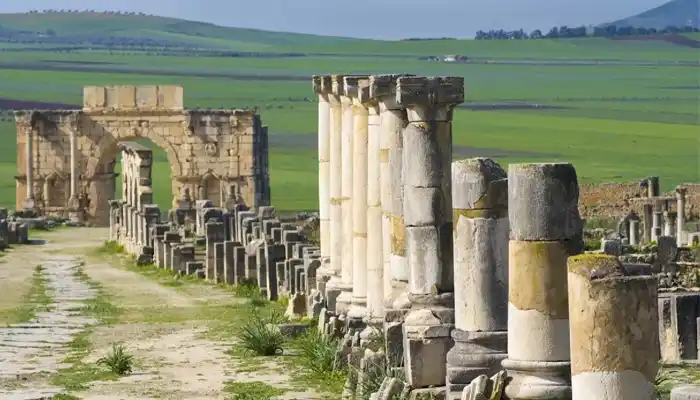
[484, 254]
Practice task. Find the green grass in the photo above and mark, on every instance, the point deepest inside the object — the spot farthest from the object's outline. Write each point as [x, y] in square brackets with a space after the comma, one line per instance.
[616, 122]
[37, 299]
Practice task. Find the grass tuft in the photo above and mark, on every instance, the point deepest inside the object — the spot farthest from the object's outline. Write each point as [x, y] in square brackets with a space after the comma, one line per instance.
[252, 391]
[260, 336]
[118, 360]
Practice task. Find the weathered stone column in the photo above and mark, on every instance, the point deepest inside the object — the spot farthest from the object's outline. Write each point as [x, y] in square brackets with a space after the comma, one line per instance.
[647, 214]
[656, 223]
[480, 235]
[360, 125]
[669, 223]
[29, 201]
[322, 87]
[634, 232]
[427, 159]
[392, 121]
[347, 134]
[614, 330]
[336, 229]
[680, 213]
[375, 235]
[73, 167]
[545, 229]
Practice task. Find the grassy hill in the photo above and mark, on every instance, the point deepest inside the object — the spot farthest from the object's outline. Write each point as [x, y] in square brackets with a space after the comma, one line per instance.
[83, 25]
[674, 13]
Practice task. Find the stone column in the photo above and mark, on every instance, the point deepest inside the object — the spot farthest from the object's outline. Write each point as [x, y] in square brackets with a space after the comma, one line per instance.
[680, 212]
[480, 240]
[392, 121]
[656, 223]
[347, 134]
[29, 201]
[614, 330]
[360, 125]
[322, 86]
[375, 235]
[427, 159]
[634, 232]
[545, 229]
[669, 223]
[73, 167]
[647, 210]
[336, 228]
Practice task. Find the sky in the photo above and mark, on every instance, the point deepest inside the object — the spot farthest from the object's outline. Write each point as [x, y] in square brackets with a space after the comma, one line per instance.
[379, 19]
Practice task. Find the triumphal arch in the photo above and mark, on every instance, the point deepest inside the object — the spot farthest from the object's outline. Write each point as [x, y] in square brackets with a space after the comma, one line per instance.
[66, 158]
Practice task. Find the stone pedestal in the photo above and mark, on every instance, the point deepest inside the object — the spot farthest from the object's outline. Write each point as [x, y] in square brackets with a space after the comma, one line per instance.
[614, 330]
[427, 159]
[480, 210]
[545, 229]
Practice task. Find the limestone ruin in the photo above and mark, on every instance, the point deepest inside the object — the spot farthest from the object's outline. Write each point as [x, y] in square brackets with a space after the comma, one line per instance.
[66, 158]
[477, 279]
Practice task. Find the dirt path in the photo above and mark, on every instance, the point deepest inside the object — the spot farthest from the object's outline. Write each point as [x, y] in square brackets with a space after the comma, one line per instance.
[179, 331]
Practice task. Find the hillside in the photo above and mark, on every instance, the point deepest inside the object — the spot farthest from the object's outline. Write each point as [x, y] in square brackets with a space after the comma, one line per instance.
[677, 13]
[100, 28]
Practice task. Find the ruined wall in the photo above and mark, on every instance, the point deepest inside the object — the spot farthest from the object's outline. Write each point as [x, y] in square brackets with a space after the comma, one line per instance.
[612, 200]
[208, 151]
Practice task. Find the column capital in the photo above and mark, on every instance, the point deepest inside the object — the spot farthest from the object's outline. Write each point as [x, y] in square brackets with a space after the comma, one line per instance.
[352, 84]
[382, 88]
[338, 85]
[430, 97]
[322, 84]
[681, 191]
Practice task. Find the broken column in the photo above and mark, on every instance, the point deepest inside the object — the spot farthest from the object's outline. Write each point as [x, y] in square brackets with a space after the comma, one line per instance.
[634, 232]
[545, 229]
[332, 289]
[375, 234]
[670, 223]
[322, 87]
[360, 125]
[614, 330]
[427, 159]
[480, 210]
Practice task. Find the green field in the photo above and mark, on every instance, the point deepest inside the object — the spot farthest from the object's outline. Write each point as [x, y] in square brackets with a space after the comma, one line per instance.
[615, 120]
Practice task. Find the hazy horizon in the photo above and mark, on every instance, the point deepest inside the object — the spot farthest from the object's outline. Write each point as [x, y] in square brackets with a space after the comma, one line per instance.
[392, 19]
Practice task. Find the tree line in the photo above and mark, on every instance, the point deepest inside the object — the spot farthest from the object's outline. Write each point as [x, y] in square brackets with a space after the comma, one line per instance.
[581, 31]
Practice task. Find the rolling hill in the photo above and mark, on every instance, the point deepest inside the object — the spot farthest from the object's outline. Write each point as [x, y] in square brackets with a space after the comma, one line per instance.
[64, 26]
[677, 13]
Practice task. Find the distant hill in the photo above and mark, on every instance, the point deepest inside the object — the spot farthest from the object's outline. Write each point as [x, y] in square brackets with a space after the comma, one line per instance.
[87, 27]
[678, 13]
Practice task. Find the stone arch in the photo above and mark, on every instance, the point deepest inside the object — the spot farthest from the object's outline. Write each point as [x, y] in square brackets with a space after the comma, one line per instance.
[211, 187]
[56, 190]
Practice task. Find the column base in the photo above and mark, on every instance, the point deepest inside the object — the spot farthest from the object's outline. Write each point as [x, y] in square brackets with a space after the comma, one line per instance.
[29, 205]
[474, 354]
[426, 342]
[538, 380]
[344, 300]
[332, 292]
[372, 331]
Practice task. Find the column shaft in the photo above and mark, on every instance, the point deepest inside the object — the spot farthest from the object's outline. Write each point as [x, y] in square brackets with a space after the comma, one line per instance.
[322, 86]
[30, 166]
[680, 216]
[359, 209]
[614, 330]
[480, 210]
[73, 167]
[545, 229]
[336, 155]
[375, 222]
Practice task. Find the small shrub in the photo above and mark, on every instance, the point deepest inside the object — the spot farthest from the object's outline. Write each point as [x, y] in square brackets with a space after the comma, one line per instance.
[111, 247]
[317, 351]
[117, 360]
[248, 289]
[283, 301]
[252, 391]
[259, 337]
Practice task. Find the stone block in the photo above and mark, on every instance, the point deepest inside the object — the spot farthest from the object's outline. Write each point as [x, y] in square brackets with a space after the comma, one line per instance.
[126, 97]
[678, 326]
[686, 392]
[147, 96]
[192, 267]
[93, 97]
[219, 262]
[170, 97]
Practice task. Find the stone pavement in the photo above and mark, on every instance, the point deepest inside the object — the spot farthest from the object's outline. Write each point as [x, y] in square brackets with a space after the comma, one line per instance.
[39, 346]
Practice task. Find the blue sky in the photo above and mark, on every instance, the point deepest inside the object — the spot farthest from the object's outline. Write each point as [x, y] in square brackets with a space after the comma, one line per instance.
[388, 19]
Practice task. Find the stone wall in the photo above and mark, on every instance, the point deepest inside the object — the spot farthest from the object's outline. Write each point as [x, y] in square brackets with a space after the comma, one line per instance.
[73, 152]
